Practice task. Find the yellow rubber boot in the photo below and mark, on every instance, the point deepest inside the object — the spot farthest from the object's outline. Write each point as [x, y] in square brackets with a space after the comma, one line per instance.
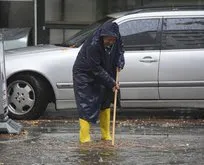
[105, 124]
[84, 133]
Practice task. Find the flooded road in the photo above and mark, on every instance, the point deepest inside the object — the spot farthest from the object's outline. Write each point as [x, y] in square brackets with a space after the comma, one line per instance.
[137, 141]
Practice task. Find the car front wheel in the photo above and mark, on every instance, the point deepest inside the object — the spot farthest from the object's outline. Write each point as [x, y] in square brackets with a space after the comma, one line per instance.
[27, 98]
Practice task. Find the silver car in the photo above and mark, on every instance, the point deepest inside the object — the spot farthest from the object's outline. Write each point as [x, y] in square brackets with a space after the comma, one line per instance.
[164, 54]
[16, 37]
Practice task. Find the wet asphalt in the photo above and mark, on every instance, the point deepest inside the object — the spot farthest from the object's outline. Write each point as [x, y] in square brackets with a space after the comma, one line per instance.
[142, 138]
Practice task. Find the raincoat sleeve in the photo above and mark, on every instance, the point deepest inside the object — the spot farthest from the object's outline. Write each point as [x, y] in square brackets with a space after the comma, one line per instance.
[94, 60]
[121, 59]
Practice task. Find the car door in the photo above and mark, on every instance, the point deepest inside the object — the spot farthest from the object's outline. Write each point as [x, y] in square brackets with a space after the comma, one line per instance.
[181, 67]
[139, 78]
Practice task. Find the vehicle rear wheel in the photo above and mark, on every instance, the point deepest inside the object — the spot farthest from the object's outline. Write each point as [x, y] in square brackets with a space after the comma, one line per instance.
[27, 98]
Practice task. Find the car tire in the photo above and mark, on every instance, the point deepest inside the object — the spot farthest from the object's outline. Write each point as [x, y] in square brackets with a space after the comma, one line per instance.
[27, 97]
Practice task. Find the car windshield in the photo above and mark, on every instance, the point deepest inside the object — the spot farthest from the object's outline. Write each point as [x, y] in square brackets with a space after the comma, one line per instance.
[77, 39]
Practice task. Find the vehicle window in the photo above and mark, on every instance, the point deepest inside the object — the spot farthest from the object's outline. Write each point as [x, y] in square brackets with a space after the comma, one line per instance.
[140, 34]
[183, 33]
[81, 36]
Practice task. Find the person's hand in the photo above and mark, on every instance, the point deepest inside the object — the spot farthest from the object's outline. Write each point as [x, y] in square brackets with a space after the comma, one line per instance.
[116, 87]
[119, 69]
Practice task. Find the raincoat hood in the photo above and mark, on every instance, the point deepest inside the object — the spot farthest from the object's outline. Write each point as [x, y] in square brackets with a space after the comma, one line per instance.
[107, 29]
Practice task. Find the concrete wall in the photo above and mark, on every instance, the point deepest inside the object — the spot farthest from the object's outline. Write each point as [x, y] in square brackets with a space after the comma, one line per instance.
[52, 10]
[75, 12]
[59, 35]
[80, 11]
[17, 17]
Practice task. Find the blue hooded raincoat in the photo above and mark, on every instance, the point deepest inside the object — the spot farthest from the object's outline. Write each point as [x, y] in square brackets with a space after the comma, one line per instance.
[94, 72]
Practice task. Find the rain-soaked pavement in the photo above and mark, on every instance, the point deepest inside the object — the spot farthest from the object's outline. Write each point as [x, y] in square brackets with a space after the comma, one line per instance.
[53, 140]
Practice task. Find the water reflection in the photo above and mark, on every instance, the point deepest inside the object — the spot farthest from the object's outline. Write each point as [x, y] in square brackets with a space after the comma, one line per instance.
[97, 152]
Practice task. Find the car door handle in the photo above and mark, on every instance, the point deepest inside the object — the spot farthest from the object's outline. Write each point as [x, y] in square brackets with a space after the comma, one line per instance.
[148, 59]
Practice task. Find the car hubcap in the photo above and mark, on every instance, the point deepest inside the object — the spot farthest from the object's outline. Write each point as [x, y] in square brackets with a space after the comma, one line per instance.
[21, 97]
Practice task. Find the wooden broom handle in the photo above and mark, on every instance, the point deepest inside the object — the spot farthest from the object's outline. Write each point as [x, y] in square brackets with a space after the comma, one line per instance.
[114, 110]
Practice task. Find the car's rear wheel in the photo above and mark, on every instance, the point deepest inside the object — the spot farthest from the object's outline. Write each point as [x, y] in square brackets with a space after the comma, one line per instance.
[27, 97]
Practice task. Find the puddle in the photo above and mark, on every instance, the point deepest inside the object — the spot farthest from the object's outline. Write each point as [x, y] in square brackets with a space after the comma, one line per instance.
[23, 136]
[136, 142]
